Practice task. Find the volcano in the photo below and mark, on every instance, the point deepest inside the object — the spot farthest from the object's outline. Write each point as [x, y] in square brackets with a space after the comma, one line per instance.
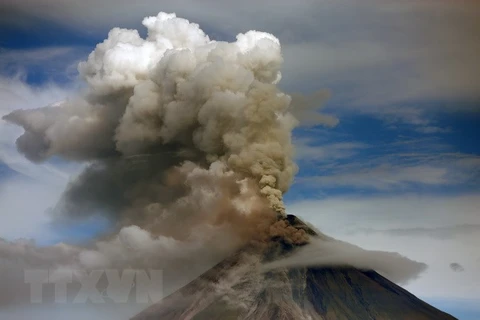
[236, 289]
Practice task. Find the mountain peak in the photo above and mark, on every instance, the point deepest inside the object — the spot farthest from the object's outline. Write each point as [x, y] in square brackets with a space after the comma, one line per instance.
[237, 289]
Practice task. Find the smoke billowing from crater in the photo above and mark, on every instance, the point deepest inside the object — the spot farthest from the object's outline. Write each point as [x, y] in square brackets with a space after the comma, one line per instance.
[188, 145]
[176, 95]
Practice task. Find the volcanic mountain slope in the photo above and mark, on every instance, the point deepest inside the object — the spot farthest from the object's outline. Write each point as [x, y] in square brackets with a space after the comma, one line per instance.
[235, 289]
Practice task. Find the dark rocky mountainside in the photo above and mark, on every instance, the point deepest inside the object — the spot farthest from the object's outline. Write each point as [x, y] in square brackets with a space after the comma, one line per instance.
[234, 289]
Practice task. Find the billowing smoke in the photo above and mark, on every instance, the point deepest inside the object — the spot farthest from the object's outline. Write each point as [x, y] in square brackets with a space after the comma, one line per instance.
[188, 146]
[177, 96]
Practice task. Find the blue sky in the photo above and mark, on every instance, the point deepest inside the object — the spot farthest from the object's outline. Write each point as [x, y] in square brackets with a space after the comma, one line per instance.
[403, 84]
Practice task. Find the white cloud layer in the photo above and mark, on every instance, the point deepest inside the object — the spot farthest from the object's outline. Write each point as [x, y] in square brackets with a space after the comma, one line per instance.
[308, 149]
[322, 251]
[378, 51]
[373, 224]
[395, 166]
[383, 177]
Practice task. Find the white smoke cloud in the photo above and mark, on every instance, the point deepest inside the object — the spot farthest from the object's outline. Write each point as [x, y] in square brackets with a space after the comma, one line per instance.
[327, 252]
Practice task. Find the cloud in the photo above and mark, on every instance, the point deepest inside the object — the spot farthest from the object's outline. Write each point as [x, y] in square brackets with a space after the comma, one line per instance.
[383, 177]
[17, 94]
[28, 56]
[373, 56]
[56, 60]
[42, 184]
[392, 53]
[433, 129]
[306, 109]
[456, 267]
[345, 217]
[399, 211]
[44, 65]
[188, 146]
[417, 118]
[386, 167]
[378, 52]
[446, 232]
[308, 149]
[321, 252]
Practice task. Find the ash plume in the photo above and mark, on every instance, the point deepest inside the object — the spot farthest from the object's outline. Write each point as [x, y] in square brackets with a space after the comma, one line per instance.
[178, 95]
[189, 152]
[188, 146]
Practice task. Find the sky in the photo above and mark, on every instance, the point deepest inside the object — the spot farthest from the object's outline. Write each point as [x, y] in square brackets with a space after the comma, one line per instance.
[397, 169]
